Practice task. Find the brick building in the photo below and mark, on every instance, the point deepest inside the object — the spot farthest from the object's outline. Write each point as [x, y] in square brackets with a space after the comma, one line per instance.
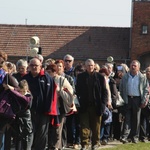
[140, 33]
[123, 44]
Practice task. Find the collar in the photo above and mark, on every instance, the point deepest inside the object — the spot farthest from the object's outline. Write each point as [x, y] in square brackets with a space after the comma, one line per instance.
[41, 73]
[133, 75]
[69, 71]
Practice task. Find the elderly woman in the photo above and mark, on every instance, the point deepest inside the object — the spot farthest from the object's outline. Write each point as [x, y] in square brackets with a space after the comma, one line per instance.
[64, 103]
[21, 69]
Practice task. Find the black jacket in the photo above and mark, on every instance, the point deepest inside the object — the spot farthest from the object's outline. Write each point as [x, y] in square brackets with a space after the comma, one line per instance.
[100, 93]
[45, 95]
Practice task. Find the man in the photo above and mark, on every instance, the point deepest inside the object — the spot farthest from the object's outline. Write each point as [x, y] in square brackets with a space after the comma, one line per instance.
[69, 69]
[145, 116]
[93, 96]
[134, 90]
[71, 121]
[41, 86]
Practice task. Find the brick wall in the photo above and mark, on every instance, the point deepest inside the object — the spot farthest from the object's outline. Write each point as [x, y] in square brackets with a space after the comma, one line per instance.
[140, 43]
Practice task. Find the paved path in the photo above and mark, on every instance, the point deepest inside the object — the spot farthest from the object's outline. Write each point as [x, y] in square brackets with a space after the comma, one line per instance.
[109, 145]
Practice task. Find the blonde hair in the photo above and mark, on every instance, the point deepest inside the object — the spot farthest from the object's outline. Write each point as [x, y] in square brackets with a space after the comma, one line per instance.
[97, 67]
[23, 84]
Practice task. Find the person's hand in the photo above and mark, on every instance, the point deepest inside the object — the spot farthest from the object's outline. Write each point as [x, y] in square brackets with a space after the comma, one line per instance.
[7, 86]
[109, 106]
[143, 105]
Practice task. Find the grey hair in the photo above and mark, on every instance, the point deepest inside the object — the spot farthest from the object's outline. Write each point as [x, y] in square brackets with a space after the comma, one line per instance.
[139, 64]
[109, 65]
[68, 55]
[89, 60]
[22, 62]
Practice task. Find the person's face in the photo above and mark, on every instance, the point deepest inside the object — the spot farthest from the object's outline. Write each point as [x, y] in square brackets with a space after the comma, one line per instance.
[110, 69]
[68, 62]
[148, 73]
[60, 68]
[134, 67]
[22, 69]
[35, 67]
[23, 91]
[9, 70]
[90, 67]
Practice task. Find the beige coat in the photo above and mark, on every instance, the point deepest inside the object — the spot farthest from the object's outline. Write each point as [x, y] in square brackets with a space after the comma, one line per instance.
[67, 95]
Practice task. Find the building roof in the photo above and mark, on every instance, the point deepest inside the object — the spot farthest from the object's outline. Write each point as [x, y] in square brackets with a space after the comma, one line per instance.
[81, 42]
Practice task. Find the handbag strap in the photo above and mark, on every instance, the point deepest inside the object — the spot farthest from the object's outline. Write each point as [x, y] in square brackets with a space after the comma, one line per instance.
[7, 78]
[61, 83]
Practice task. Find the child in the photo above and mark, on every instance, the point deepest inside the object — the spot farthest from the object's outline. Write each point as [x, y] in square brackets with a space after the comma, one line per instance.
[105, 126]
[21, 102]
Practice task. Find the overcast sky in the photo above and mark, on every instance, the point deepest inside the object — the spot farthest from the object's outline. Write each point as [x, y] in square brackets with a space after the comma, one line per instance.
[113, 13]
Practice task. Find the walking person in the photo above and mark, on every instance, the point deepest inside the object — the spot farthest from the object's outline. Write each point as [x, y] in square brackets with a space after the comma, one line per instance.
[93, 96]
[41, 86]
[134, 90]
[22, 123]
[64, 93]
[145, 116]
[5, 123]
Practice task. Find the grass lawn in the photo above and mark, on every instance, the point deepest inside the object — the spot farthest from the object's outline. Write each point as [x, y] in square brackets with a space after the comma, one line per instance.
[139, 146]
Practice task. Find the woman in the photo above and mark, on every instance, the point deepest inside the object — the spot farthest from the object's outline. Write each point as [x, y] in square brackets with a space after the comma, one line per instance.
[106, 121]
[64, 103]
[5, 78]
[22, 124]
[21, 68]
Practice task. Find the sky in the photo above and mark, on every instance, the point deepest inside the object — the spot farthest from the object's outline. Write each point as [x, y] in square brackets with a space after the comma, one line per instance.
[112, 13]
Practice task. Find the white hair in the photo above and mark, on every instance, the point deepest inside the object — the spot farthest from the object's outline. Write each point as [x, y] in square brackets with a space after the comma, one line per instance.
[21, 62]
[89, 61]
[68, 55]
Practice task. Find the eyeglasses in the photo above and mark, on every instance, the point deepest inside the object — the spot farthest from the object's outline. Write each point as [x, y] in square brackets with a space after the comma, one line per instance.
[34, 65]
[68, 60]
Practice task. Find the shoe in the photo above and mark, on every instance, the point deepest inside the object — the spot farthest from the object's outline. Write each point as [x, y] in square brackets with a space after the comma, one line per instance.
[85, 147]
[104, 142]
[142, 140]
[124, 141]
[96, 147]
[69, 145]
[76, 146]
[129, 140]
[134, 141]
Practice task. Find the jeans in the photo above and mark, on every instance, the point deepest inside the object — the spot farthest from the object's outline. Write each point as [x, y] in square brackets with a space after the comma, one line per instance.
[2, 136]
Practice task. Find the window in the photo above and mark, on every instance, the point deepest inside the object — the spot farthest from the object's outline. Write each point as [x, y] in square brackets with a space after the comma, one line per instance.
[144, 29]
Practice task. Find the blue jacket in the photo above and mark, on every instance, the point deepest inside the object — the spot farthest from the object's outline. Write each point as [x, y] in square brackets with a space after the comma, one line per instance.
[42, 103]
[107, 116]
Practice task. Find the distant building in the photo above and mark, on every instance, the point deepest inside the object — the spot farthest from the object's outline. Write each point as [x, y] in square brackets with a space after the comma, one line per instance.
[123, 44]
[140, 32]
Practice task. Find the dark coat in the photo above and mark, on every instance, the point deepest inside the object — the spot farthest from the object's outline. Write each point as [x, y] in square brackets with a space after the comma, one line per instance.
[46, 102]
[114, 91]
[99, 91]
[21, 107]
[9, 79]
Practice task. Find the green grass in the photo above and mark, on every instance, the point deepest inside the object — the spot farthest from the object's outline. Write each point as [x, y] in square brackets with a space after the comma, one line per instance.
[139, 146]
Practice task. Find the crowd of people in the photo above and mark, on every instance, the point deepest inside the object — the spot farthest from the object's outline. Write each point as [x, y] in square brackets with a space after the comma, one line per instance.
[58, 104]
